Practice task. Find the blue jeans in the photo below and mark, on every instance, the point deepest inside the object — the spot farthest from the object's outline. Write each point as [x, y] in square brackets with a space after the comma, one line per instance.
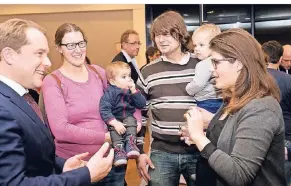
[288, 171]
[211, 105]
[169, 167]
[114, 178]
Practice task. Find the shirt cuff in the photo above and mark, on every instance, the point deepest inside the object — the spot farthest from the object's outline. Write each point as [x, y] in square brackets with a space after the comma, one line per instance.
[208, 150]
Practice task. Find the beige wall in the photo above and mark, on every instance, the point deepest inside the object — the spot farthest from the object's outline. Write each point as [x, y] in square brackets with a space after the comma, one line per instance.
[103, 25]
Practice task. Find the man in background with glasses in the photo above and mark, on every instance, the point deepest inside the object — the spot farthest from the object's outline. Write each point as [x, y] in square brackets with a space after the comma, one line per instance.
[130, 45]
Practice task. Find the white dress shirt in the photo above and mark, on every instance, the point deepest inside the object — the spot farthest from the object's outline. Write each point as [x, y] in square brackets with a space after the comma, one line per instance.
[133, 61]
[14, 85]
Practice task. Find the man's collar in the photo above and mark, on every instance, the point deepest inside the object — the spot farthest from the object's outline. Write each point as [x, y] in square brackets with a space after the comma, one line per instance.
[128, 58]
[183, 61]
[14, 85]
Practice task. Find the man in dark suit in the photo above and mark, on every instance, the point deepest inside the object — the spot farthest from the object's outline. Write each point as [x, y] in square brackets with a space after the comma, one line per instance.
[285, 65]
[27, 150]
[274, 51]
[130, 45]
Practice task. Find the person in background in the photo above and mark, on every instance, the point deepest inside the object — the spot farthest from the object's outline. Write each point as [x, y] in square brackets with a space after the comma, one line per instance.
[27, 150]
[130, 45]
[244, 143]
[285, 65]
[151, 54]
[274, 51]
[75, 119]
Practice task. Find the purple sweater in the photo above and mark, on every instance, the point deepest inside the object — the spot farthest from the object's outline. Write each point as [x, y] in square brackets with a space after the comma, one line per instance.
[74, 117]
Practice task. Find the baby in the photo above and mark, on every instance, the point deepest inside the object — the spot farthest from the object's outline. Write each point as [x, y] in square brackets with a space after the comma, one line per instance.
[201, 87]
[117, 106]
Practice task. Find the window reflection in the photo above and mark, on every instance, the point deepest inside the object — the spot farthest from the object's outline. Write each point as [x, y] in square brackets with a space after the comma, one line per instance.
[273, 22]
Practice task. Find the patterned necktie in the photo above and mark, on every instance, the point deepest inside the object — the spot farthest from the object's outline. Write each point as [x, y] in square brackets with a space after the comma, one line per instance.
[29, 99]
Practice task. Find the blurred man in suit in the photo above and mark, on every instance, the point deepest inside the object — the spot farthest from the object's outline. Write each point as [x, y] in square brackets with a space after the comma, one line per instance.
[274, 51]
[285, 65]
[27, 151]
[130, 45]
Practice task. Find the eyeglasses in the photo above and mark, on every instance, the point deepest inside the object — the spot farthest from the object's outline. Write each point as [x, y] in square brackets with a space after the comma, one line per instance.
[134, 43]
[72, 46]
[215, 62]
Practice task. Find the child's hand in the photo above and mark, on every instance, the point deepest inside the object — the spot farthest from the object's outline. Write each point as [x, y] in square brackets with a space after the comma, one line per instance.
[119, 127]
[131, 86]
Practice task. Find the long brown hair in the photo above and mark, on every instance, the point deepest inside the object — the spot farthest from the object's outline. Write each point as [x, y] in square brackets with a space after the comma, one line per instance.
[254, 81]
[172, 23]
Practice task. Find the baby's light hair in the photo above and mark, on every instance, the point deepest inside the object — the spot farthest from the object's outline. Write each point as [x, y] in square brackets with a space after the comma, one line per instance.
[212, 29]
[114, 68]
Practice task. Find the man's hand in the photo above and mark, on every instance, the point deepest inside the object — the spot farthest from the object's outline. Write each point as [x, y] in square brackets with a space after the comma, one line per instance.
[99, 166]
[141, 164]
[75, 162]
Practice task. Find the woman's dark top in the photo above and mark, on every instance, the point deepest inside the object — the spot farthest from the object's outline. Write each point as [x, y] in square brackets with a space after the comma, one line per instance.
[205, 176]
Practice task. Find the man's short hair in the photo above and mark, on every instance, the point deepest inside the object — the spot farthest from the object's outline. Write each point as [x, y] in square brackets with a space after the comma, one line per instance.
[274, 51]
[13, 33]
[125, 35]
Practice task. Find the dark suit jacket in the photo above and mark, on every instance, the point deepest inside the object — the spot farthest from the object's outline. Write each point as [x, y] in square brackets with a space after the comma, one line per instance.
[121, 57]
[283, 70]
[284, 83]
[27, 151]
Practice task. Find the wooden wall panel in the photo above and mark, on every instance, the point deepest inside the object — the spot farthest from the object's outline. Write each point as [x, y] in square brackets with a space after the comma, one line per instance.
[102, 28]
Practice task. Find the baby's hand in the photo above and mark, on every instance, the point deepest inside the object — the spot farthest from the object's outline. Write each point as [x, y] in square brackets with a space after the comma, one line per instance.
[131, 86]
[119, 127]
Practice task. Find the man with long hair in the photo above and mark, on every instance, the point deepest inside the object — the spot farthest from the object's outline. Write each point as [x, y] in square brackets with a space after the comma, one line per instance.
[164, 84]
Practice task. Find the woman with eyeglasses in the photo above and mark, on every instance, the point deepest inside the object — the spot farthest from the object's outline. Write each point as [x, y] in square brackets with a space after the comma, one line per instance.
[244, 143]
[71, 96]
